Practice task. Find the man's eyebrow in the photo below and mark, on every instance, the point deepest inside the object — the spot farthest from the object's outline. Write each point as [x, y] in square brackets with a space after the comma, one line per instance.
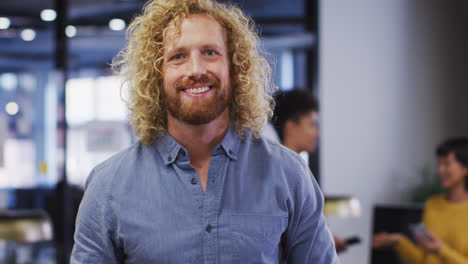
[211, 46]
[219, 48]
[176, 50]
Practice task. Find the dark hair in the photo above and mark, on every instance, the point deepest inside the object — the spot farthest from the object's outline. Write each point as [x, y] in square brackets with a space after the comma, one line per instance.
[292, 105]
[457, 146]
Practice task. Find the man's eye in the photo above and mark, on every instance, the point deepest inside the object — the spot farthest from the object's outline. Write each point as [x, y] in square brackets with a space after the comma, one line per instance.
[210, 52]
[177, 57]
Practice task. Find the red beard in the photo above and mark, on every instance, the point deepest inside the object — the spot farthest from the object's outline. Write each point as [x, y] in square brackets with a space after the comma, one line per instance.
[198, 112]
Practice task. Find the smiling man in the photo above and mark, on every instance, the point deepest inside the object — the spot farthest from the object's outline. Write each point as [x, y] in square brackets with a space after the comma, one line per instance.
[200, 186]
[196, 72]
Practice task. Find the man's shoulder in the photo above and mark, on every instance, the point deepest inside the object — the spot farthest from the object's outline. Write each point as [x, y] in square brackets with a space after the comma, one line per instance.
[121, 156]
[277, 152]
[281, 158]
[116, 167]
[282, 164]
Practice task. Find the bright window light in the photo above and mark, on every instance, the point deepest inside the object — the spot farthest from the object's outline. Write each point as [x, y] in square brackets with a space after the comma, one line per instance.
[8, 81]
[287, 70]
[27, 81]
[110, 106]
[80, 101]
[117, 24]
[48, 15]
[20, 162]
[70, 31]
[12, 108]
[4, 22]
[28, 34]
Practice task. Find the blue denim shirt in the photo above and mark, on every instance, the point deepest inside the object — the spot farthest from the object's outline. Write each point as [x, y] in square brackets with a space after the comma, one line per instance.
[146, 205]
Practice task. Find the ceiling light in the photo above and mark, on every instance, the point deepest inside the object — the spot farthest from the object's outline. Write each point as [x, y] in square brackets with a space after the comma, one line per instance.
[12, 108]
[48, 15]
[28, 34]
[4, 22]
[70, 31]
[117, 24]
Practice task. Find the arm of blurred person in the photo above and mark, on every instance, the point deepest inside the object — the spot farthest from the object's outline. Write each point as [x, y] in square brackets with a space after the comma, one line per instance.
[432, 245]
[384, 240]
[340, 244]
[409, 252]
[427, 251]
[436, 246]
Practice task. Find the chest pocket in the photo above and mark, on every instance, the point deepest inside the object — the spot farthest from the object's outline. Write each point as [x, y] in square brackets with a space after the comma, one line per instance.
[256, 238]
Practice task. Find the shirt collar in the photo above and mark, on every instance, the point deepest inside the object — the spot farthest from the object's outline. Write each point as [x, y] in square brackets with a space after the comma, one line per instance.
[230, 142]
[169, 148]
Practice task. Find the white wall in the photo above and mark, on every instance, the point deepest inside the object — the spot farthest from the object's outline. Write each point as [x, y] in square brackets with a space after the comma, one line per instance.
[392, 85]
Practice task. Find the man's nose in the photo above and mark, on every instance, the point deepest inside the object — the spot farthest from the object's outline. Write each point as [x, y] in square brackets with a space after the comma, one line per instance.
[197, 66]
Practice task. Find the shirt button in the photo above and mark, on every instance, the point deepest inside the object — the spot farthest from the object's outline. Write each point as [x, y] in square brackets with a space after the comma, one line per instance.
[169, 158]
[231, 152]
[208, 228]
[194, 181]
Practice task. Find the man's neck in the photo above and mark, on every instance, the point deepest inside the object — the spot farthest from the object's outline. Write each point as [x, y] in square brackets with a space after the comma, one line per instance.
[289, 144]
[199, 140]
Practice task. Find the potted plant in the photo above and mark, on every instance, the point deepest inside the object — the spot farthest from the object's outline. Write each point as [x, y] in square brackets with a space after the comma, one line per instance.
[429, 186]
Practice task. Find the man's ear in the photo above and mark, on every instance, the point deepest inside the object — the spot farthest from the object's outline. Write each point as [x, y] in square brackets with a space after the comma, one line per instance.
[289, 127]
[465, 170]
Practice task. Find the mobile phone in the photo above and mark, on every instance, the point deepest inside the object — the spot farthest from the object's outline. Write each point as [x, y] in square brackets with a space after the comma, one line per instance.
[352, 240]
[420, 229]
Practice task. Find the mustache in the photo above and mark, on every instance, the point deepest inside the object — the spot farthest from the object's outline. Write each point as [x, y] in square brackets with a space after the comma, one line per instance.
[213, 81]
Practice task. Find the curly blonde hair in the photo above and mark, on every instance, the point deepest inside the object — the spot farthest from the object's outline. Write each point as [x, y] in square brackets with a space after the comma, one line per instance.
[141, 62]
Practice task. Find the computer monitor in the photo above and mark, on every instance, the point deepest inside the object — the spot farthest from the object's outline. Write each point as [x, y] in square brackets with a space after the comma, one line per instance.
[392, 219]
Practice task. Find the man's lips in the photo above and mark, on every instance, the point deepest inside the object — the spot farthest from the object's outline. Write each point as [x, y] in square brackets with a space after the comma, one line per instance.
[197, 88]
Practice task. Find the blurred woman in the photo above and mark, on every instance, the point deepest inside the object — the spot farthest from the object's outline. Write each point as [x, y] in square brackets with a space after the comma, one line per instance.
[445, 216]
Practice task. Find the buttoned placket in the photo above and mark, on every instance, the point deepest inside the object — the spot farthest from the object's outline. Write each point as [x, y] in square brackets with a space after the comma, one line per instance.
[211, 204]
[208, 202]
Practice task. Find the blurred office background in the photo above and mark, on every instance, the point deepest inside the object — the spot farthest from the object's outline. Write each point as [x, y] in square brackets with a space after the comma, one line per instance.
[393, 84]
[390, 77]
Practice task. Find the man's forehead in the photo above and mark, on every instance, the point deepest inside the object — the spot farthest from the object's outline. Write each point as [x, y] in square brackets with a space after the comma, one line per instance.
[447, 157]
[173, 31]
[309, 114]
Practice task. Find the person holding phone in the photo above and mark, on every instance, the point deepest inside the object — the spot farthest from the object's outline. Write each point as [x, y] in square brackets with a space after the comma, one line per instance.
[443, 235]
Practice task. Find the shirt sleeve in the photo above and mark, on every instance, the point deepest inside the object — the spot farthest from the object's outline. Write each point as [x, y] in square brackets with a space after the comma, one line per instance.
[409, 252]
[451, 256]
[94, 242]
[308, 239]
[412, 254]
